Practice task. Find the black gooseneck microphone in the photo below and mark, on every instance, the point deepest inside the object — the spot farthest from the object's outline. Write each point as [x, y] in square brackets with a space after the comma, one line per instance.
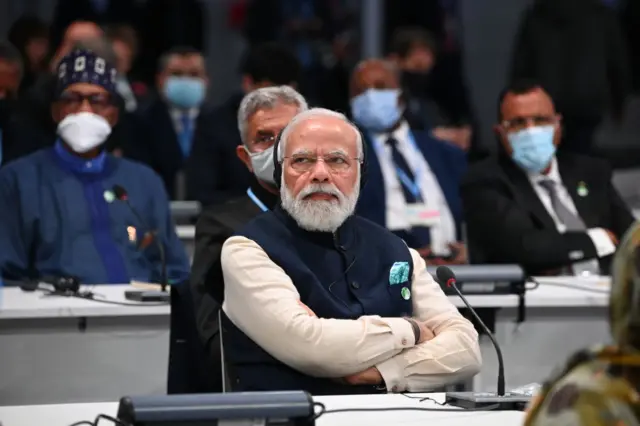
[151, 236]
[501, 399]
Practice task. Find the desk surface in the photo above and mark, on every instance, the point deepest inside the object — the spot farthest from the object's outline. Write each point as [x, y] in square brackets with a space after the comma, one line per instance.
[553, 292]
[66, 414]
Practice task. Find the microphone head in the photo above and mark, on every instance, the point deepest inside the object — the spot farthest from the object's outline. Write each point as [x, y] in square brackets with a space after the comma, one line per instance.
[120, 192]
[445, 275]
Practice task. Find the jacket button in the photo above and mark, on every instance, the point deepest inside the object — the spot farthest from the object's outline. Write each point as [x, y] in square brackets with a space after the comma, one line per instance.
[355, 285]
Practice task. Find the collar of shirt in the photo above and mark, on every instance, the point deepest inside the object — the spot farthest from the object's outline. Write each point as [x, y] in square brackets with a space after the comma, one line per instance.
[177, 114]
[554, 174]
[400, 134]
[77, 164]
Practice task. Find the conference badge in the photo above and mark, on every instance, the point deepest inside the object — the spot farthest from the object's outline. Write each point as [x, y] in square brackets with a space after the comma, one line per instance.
[583, 191]
[109, 196]
[405, 293]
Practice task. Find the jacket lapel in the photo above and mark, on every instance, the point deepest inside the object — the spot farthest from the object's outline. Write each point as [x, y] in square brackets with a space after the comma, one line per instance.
[524, 192]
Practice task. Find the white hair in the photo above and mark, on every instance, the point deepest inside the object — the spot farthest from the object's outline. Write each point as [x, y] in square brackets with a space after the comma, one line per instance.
[313, 113]
[266, 98]
[319, 215]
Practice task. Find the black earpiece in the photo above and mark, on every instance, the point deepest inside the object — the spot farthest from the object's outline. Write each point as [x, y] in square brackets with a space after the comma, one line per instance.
[277, 165]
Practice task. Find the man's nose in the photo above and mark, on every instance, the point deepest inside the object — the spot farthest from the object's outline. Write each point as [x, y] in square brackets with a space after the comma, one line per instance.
[320, 172]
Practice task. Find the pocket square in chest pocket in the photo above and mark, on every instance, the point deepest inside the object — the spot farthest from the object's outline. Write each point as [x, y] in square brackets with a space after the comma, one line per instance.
[399, 273]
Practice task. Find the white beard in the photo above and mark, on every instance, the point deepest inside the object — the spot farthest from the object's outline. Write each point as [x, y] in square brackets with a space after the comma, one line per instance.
[319, 215]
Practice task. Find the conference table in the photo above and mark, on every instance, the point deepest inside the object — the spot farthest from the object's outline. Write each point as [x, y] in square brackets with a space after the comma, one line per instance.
[67, 414]
[59, 349]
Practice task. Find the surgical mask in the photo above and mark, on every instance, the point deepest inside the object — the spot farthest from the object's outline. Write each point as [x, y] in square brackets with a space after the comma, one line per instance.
[84, 131]
[184, 92]
[262, 164]
[377, 110]
[533, 148]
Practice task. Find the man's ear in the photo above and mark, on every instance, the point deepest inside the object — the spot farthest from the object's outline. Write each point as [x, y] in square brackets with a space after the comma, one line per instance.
[244, 156]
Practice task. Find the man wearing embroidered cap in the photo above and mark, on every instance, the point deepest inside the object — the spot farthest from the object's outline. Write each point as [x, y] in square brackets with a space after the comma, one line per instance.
[319, 299]
[599, 386]
[59, 216]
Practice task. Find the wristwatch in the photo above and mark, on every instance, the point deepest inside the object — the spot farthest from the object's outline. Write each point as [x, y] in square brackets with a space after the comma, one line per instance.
[416, 329]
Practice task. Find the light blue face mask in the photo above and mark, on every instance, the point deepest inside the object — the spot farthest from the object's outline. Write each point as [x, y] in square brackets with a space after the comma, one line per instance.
[376, 110]
[184, 92]
[533, 148]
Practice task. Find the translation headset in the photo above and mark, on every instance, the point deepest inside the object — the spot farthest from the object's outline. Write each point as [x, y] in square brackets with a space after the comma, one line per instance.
[277, 165]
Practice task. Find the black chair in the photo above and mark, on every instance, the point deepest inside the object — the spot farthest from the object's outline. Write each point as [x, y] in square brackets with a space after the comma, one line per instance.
[192, 369]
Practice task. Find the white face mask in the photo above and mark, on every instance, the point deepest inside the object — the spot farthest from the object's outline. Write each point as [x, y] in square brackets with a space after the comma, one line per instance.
[84, 131]
[262, 164]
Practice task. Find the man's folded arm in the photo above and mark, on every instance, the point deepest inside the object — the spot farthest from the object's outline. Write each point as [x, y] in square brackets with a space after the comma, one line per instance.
[454, 352]
[262, 301]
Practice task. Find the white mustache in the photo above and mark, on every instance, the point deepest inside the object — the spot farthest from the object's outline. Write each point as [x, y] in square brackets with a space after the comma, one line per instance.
[320, 188]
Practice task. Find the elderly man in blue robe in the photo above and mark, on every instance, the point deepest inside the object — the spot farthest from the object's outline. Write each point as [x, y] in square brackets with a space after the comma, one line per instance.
[62, 212]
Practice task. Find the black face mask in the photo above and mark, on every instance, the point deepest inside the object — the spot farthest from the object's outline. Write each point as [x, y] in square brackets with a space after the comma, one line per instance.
[416, 83]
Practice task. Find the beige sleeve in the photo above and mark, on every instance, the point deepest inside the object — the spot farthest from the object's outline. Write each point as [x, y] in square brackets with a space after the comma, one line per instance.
[454, 352]
[262, 301]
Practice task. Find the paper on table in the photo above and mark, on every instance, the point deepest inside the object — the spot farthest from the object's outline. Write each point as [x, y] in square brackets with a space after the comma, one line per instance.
[146, 286]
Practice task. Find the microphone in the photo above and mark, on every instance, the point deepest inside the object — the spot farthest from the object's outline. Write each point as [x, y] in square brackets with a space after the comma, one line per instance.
[501, 400]
[149, 237]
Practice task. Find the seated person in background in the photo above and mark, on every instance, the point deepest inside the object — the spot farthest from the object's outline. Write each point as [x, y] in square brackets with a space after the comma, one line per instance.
[413, 50]
[599, 386]
[214, 172]
[171, 118]
[262, 115]
[413, 178]
[551, 214]
[58, 214]
[321, 300]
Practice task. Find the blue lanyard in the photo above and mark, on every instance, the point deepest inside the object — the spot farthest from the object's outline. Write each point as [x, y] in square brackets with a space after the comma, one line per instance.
[411, 185]
[256, 201]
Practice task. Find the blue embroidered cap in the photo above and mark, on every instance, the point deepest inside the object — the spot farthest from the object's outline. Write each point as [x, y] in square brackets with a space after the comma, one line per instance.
[84, 66]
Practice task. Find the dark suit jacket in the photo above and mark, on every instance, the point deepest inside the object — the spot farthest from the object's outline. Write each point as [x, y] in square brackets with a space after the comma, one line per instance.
[507, 222]
[214, 172]
[157, 145]
[214, 226]
[447, 162]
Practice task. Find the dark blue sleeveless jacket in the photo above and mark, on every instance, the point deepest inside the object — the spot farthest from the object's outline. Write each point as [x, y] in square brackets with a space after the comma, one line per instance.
[344, 275]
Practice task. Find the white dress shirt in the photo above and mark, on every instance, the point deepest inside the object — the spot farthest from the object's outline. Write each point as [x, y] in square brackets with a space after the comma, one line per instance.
[263, 302]
[396, 218]
[601, 240]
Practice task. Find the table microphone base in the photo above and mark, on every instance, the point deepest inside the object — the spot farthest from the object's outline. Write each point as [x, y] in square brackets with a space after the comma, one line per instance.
[506, 402]
[148, 296]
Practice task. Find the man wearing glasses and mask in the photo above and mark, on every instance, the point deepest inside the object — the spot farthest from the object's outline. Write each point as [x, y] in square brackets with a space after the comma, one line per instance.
[552, 214]
[262, 115]
[59, 216]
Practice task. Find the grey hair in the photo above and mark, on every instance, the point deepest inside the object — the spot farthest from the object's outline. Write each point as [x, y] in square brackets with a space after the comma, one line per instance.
[312, 113]
[266, 98]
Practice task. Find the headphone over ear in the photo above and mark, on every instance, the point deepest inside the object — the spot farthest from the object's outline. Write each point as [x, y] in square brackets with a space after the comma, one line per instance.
[277, 165]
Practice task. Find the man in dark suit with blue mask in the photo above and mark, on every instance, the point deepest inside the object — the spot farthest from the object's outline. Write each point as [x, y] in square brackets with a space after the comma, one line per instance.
[414, 178]
[552, 213]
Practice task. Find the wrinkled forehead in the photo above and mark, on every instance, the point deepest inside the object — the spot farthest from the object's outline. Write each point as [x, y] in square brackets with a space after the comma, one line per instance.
[321, 136]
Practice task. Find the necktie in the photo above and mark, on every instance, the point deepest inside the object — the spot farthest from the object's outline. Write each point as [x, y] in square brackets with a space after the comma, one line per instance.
[572, 222]
[420, 234]
[186, 134]
[402, 168]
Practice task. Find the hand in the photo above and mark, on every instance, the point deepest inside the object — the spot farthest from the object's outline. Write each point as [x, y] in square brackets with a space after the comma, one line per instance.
[370, 376]
[460, 254]
[425, 332]
[306, 308]
[429, 258]
[613, 237]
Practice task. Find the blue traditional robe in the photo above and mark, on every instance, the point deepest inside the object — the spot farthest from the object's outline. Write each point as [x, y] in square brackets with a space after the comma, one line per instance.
[59, 217]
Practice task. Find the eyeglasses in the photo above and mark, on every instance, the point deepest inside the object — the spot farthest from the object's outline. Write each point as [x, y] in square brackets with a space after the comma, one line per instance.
[335, 162]
[97, 101]
[520, 123]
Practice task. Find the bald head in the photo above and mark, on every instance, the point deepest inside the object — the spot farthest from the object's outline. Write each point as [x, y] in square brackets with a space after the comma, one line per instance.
[373, 74]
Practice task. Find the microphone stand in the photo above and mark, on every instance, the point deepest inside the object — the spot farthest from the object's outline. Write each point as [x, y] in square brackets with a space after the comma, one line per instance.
[502, 401]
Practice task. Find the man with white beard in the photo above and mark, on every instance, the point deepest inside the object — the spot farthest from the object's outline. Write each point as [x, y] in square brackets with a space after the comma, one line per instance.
[324, 301]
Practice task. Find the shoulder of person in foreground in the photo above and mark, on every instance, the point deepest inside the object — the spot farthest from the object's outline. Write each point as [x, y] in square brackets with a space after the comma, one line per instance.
[585, 394]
